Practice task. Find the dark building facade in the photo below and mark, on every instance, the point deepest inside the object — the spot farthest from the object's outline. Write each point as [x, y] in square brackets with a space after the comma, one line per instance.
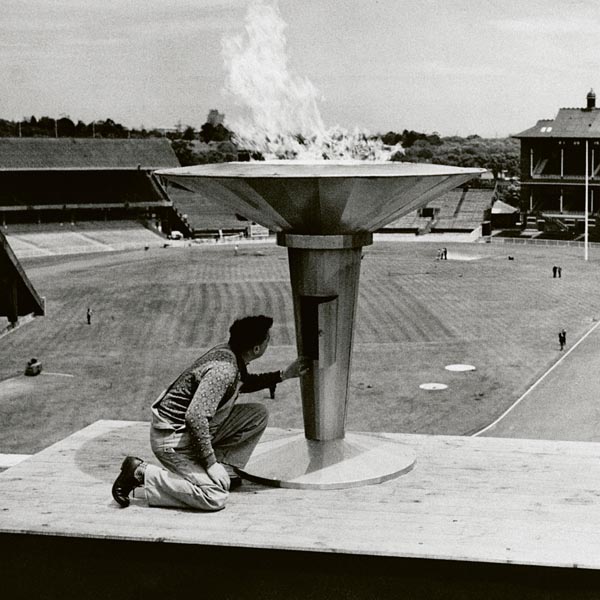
[554, 155]
[17, 295]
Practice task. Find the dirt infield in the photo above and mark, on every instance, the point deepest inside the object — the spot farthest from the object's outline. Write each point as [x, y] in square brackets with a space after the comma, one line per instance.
[155, 310]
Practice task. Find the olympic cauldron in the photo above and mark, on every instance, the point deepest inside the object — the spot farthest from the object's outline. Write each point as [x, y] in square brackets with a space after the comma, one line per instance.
[324, 213]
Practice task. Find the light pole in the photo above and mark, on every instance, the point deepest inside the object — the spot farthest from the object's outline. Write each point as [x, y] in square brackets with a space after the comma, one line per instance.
[585, 236]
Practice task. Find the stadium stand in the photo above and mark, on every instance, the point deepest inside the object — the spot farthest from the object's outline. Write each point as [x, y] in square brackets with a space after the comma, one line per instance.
[205, 216]
[459, 210]
[46, 180]
[30, 241]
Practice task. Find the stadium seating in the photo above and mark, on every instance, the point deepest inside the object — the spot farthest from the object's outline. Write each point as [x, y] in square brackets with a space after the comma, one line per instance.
[457, 210]
[205, 215]
[44, 240]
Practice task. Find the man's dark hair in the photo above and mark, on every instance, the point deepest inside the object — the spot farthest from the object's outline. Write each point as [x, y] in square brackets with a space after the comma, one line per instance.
[249, 332]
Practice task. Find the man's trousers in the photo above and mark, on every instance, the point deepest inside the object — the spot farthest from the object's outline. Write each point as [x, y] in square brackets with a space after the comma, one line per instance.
[184, 483]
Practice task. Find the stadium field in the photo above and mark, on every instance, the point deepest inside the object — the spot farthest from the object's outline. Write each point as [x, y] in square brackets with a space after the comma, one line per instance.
[154, 311]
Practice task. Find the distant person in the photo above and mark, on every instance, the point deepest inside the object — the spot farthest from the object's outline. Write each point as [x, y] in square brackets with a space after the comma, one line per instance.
[562, 338]
[88, 315]
[445, 253]
[438, 255]
[559, 270]
[199, 432]
[554, 271]
[236, 250]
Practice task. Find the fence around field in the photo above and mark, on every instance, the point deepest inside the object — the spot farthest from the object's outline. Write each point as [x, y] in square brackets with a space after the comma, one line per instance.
[538, 242]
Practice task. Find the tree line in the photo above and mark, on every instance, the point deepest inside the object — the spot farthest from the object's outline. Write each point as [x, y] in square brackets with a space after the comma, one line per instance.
[499, 155]
[213, 142]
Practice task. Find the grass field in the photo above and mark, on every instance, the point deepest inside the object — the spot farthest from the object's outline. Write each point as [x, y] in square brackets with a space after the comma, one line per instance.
[155, 311]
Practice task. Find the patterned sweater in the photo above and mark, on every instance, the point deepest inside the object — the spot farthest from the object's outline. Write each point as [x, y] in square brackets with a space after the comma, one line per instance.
[206, 385]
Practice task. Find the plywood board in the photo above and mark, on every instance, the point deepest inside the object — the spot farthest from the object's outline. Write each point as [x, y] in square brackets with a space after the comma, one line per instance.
[492, 500]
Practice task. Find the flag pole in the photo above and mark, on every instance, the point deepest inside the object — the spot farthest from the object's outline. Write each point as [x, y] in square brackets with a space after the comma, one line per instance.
[586, 200]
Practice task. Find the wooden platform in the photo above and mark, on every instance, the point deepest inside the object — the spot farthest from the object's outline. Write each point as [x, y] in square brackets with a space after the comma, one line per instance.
[468, 501]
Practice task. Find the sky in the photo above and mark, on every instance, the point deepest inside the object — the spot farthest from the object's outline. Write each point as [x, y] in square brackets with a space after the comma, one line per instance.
[491, 68]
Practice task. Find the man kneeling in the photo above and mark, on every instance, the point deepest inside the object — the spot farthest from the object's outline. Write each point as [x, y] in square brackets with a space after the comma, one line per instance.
[199, 432]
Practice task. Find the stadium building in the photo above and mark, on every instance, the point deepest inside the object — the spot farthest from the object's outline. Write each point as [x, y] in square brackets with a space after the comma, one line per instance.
[465, 209]
[554, 156]
[208, 218]
[77, 179]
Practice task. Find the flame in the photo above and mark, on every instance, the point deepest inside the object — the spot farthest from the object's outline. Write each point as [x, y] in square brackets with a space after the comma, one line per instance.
[283, 119]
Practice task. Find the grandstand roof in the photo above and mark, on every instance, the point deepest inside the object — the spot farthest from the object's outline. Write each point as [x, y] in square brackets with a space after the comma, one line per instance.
[579, 123]
[19, 154]
[17, 295]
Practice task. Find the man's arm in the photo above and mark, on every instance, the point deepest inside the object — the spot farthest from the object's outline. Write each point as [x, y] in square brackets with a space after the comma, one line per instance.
[259, 381]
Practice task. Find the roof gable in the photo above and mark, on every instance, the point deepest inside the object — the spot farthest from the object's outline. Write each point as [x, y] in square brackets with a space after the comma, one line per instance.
[577, 122]
[568, 123]
[85, 153]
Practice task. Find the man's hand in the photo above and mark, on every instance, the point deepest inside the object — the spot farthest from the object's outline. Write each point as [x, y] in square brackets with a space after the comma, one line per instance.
[219, 475]
[299, 367]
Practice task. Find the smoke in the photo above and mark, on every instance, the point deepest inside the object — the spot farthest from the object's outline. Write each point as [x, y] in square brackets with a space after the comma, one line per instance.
[281, 114]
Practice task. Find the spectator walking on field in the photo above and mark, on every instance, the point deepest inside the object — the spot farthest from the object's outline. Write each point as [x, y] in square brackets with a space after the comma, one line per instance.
[562, 338]
[559, 269]
[554, 271]
[88, 315]
[199, 432]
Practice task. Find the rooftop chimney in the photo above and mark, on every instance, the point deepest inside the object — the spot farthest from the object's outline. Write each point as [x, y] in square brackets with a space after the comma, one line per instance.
[591, 100]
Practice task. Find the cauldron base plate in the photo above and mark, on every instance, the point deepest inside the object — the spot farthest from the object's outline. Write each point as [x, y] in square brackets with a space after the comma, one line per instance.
[292, 461]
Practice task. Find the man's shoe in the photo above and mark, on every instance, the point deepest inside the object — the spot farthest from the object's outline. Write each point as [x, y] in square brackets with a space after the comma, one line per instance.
[126, 481]
[235, 482]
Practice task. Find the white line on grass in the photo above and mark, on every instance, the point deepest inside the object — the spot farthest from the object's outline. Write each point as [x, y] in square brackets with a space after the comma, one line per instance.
[536, 383]
[57, 374]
